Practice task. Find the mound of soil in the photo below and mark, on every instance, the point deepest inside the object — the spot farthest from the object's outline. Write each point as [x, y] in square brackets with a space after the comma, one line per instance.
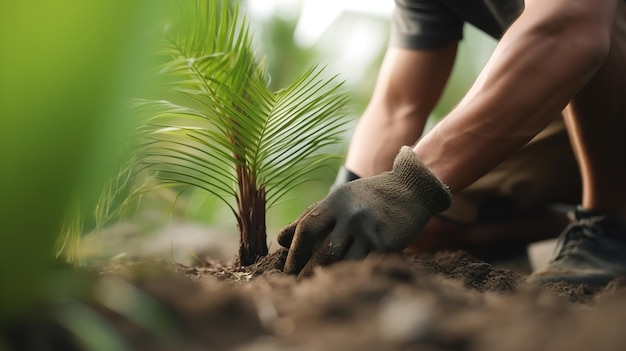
[448, 301]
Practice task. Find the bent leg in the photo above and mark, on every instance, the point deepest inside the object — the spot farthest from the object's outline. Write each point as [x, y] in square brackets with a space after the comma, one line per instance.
[596, 119]
[592, 250]
[517, 203]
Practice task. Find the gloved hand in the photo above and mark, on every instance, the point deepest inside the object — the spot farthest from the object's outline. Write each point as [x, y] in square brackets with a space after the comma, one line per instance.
[382, 213]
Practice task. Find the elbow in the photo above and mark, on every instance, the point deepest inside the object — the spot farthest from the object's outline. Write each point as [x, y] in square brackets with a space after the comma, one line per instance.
[584, 38]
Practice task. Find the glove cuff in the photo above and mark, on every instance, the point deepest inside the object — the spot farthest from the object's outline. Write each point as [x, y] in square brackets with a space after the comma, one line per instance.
[412, 173]
[344, 176]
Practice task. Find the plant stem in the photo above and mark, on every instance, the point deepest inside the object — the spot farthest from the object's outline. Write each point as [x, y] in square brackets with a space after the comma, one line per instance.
[251, 204]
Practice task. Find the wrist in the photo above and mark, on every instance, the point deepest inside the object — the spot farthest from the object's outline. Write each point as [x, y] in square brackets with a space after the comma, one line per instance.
[412, 173]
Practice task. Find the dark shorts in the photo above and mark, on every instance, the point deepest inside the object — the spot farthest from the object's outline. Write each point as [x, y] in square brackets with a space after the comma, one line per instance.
[430, 24]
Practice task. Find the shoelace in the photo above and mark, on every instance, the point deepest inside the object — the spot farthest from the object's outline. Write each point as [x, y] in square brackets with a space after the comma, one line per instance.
[574, 234]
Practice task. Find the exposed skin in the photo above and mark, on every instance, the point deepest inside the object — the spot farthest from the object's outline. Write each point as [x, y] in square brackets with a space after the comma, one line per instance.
[596, 121]
[527, 82]
[495, 240]
[558, 53]
[519, 82]
[409, 84]
[522, 87]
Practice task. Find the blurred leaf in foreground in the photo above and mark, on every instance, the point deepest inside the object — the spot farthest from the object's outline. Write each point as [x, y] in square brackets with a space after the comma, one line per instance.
[65, 70]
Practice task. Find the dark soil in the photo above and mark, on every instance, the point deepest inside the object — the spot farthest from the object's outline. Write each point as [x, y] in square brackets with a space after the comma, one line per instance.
[449, 301]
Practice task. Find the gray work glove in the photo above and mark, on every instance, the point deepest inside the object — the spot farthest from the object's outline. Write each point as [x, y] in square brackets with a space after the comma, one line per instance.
[383, 213]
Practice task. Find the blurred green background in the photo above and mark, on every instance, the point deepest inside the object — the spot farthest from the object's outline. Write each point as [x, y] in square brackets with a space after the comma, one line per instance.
[67, 67]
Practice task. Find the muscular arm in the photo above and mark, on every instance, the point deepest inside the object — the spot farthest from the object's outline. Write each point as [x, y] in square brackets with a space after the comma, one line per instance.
[545, 57]
[409, 84]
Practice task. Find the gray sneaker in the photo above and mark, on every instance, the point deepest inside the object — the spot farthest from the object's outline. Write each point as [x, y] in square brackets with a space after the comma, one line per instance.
[591, 250]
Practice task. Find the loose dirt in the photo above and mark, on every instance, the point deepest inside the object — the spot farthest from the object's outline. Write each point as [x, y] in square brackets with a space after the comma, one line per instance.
[447, 301]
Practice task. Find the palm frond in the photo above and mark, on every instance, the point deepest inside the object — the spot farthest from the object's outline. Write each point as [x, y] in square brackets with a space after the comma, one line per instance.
[222, 129]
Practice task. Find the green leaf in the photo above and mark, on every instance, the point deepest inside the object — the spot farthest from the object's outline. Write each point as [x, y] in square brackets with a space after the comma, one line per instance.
[219, 127]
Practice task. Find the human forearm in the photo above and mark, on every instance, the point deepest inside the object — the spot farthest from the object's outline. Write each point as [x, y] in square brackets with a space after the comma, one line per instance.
[410, 82]
[539, 65]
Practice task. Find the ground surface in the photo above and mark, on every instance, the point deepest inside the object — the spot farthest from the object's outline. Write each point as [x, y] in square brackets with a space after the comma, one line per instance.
[150, 294]
[449, 301]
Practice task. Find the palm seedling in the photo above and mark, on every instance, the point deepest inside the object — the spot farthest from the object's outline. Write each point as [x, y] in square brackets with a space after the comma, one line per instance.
[221, 129]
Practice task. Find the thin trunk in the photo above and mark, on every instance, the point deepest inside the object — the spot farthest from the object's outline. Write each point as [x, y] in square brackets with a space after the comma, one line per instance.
[251, 205]
[251, 218]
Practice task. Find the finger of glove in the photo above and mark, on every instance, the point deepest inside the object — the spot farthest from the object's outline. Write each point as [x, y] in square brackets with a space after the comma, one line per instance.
[329, 250]
[285, 235]
[357, 250]
[310, 230]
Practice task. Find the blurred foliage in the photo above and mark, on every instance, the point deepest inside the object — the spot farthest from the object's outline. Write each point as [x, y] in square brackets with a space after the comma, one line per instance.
[65, 69]
[274, 40]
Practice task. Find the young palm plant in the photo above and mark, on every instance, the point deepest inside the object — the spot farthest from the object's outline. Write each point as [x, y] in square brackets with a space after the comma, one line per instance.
[222, 129]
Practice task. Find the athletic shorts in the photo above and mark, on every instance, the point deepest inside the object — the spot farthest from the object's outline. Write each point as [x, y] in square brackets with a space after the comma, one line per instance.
[430, 24]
